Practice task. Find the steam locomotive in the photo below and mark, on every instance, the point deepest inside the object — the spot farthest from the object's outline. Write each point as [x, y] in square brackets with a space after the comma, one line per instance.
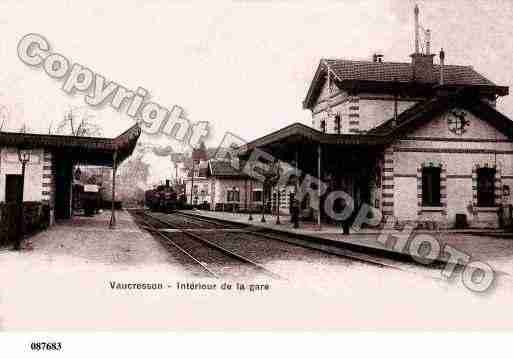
[162, 199]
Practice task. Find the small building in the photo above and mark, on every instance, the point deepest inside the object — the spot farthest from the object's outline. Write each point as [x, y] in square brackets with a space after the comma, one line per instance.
[229, 187]
[48, 180]
[197, 187]
[223, 186]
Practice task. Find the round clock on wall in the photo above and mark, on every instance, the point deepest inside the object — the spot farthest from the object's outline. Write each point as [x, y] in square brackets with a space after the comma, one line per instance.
[457, 121]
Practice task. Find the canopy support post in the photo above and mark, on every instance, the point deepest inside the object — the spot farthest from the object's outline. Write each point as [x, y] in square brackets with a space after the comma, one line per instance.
[112, 223]
[319, 154]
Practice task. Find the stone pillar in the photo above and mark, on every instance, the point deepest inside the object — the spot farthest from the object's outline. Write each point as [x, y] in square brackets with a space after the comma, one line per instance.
[498, 185]
[387, 187]
[354, 114]
[474, 191]
[443, 189]
[319, 176]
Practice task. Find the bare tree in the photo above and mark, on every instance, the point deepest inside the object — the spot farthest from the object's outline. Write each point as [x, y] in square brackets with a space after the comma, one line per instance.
[131, 180]
[24, 128]
[78, 124]
[4, 117]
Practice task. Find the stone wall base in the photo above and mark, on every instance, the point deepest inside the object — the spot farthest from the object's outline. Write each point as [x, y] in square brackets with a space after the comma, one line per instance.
[439, 225]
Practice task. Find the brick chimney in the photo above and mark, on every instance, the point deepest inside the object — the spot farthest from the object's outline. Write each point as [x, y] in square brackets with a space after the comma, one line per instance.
[422, 65]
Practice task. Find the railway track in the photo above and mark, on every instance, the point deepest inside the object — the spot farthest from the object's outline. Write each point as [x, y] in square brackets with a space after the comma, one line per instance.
[182, 221]
[290, 239]
[248, 236]
[264, 246]
[196, 226]
[211, 258]
[370, 259]
[365, 258]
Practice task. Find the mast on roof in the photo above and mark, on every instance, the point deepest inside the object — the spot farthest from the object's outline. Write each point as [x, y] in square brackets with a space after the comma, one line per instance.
[417, 45]
[426, 33]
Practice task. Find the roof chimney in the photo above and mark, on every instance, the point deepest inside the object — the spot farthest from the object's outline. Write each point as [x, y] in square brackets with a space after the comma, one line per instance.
[422, 67]
[377, 57]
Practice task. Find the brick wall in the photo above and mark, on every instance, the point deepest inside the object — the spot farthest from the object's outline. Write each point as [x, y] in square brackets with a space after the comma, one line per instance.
[374, 110]
[359, 112]
[222, 185]
[9, 164]
[202, 184]
[459, 156]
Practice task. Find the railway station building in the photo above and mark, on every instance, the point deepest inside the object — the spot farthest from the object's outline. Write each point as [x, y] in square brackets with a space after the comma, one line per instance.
[49, 160]
[221, 185]
[420, 141]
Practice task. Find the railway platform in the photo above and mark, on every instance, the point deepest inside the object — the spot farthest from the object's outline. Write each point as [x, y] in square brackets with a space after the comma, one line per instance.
[90, 240]
[493, 247]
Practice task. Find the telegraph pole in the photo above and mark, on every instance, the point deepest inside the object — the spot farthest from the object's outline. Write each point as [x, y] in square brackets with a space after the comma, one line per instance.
[192, 181]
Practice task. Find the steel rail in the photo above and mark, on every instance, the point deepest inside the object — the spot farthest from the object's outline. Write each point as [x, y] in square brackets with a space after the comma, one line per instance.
[216, 246]
[168, 240]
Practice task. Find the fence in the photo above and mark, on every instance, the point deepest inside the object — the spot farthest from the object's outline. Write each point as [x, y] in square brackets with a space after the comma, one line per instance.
[36, 216]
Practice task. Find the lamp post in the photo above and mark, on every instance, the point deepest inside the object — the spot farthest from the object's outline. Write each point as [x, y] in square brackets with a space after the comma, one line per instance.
[278, 205]
[250, 199]
[271, 179]
[263, 203]
[278, 194]
[192, 183]
[233, 199]
[24, 158]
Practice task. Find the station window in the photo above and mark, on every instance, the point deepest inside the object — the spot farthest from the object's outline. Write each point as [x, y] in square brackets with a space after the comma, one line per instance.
[257, 196]
[232, 195]
[486, 187]
[323, 126]
[431, 186]
[337, 124]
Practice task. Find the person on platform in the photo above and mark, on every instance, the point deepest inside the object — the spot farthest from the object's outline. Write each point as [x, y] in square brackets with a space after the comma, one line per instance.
[294, 213]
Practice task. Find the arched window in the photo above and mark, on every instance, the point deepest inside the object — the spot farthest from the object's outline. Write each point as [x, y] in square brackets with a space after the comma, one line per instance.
[257, 195]
[431, 195]
[486, 187]
[233, 195]
[432, 185]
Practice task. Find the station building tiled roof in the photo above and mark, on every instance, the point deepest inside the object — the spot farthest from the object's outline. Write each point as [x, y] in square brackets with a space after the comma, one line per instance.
[403, 72]
[224, 169]
[386, 77]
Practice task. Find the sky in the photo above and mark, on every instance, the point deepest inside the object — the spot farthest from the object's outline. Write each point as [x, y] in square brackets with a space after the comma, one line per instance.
[244, 66]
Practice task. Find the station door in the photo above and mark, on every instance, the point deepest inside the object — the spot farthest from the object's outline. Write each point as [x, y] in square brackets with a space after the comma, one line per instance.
[13, 198]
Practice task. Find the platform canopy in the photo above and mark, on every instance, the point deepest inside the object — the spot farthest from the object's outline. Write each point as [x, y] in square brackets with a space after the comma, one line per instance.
[95, 151]
[285, 142]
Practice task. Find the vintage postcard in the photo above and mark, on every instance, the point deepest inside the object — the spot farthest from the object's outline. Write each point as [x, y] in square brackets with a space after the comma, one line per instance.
[255, 165]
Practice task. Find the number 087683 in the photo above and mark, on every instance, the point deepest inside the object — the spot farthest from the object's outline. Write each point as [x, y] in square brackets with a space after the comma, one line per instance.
[45, 346]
